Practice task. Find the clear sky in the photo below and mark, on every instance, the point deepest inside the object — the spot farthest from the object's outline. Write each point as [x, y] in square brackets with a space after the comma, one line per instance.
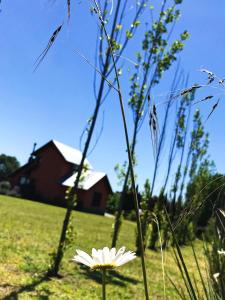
[56, 101]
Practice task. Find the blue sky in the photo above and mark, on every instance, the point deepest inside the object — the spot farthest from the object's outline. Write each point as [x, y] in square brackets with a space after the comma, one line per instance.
[56, 101]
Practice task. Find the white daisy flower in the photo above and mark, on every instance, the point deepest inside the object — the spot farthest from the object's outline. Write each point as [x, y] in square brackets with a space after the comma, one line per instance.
[221, 252]
[104, 258]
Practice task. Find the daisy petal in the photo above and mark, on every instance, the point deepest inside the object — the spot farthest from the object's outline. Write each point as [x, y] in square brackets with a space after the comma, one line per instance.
[125, 258]
[94, 252]
[105, 255]
[121, 250]
[118, 259]
[119, 253]
[96, 258]
[85, 256]
[81, 260]
[112, 253]
[100, 256]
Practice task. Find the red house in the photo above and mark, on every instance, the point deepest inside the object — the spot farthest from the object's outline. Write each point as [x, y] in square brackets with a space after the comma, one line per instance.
[52, 169]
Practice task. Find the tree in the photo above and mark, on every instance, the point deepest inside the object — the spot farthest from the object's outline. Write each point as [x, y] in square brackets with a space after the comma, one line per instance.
[112, 203]
[205, 195]
[8, 164]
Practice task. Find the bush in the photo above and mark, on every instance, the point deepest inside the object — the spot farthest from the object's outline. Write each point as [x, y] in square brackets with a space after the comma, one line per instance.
[112, 203]
[14, 192]
[130, 215]
[5, 187]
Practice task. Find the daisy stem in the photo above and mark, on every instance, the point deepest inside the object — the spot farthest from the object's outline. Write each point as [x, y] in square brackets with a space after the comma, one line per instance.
[103, 284]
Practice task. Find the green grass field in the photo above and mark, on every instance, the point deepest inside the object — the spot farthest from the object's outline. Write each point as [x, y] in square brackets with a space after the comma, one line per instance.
[29, 232]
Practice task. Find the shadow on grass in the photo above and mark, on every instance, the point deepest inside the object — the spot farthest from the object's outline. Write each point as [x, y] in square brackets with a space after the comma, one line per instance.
[14, 295]
[113, 277]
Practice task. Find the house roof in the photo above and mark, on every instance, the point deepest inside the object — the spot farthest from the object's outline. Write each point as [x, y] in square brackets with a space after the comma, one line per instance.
[70, 154]
[90, 179]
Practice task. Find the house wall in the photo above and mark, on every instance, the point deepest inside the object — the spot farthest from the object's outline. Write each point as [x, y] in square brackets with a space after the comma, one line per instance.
[85, 198]
[47, 175]
[52, 168]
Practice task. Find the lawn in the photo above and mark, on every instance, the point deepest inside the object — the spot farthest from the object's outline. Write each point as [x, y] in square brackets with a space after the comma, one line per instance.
[29, 233]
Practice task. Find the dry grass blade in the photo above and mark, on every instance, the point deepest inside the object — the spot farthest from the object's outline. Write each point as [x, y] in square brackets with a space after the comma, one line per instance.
[68, 9]
[154, 127]
[200, 273]
[162, 255]
[176, 288]
[213, 108]
[47, 48]
[204, 99]
[112, 5]
[189, 90]
[182, 273]
[183, 92]
[180, 261]
[211, 75]
[192, 209]
[196, 288]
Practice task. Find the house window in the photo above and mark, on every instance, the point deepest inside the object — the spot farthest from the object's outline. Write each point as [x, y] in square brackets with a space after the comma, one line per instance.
[96, 199]
[24, 180]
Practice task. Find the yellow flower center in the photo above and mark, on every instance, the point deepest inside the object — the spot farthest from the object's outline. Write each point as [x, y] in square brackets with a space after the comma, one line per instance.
[103, 266]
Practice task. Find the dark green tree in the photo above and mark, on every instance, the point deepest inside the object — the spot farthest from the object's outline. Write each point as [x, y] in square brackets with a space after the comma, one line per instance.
[112, 203]
[196, 162]
[214, 253]
[197, 150]
[205, 196]
[179, 147]
[8, 164]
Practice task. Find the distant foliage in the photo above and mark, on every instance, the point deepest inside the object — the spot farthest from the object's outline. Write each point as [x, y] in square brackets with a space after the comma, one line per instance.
[112, 203]
[216, 256]
[205, 194]
[4, 187]
[8, 164]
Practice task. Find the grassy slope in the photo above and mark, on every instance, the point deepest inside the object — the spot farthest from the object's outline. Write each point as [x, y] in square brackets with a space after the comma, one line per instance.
[29, 231]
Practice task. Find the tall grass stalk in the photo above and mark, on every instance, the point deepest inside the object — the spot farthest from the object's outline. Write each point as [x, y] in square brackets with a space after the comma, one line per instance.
[162, 255]
[181, 263]
[200, 273]
[128, 150]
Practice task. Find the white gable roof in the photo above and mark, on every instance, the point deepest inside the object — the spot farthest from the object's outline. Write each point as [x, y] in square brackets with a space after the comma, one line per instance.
[90, 179]
[70, 154]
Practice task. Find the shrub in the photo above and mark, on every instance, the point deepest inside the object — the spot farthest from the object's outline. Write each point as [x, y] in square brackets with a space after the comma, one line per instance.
[5, 187]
